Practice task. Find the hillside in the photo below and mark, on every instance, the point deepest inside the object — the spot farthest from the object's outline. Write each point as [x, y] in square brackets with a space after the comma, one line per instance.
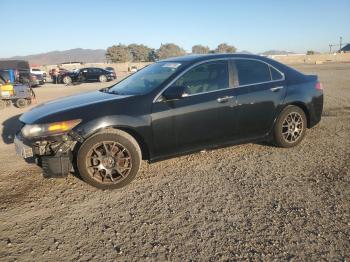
[72, 55]
[276, 52]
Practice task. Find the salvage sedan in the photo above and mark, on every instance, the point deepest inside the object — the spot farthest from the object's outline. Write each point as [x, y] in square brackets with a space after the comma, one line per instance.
[172, 107]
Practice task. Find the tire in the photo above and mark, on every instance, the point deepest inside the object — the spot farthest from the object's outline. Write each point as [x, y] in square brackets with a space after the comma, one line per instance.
[290, 127]
[21, 102]
[67, 80]
[101, 168]
[2, 104]
[102, 78]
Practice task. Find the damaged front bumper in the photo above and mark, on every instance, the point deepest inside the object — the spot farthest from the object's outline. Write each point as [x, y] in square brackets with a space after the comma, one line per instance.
[53, 154]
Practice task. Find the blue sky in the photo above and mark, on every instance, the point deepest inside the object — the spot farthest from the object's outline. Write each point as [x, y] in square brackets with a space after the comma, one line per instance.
[36, 26]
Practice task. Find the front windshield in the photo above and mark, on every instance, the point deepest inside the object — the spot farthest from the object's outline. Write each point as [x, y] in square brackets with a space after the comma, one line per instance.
[145, 80]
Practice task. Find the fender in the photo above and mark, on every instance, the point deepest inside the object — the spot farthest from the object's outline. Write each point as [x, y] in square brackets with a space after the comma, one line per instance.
[138, 127]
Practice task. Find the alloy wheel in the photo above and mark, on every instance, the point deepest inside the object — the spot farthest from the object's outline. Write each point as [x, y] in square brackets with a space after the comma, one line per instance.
[109, 162]
[292, 127]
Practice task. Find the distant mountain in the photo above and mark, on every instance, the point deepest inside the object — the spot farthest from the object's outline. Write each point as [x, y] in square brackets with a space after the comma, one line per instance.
[276, 52]
[245, 52]
[72, 55]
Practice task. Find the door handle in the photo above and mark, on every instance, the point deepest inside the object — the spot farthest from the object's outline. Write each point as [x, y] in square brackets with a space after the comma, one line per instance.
[224, 99]
[274, 89]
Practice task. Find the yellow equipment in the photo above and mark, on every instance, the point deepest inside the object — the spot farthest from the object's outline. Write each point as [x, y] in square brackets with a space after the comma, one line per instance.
[6, 90]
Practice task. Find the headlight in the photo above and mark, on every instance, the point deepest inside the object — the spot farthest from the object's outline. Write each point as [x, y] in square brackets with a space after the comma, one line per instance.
[49, 129]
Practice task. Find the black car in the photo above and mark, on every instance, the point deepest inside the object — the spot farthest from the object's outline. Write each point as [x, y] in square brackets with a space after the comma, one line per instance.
[89, 74]
[172, 107]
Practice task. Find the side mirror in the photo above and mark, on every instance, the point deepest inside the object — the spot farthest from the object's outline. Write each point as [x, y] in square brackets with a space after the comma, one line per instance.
[174, 93]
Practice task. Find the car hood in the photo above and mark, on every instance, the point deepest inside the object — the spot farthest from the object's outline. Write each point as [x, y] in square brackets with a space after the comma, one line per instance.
[41, 113]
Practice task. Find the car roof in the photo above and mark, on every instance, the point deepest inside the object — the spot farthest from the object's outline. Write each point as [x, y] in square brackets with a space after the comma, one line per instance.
[198, 58]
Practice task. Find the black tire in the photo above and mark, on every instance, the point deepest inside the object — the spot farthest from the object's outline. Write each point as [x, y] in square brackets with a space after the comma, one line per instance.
[21, 102]
[97, 151]
[290, 127]
[102, 78]
[67, 80]
[2, 104]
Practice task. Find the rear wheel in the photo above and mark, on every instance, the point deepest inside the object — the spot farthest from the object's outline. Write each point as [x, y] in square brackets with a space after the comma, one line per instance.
[67, 80]
[109, 159]
[21, 102]
[102, 78]
[290, 127]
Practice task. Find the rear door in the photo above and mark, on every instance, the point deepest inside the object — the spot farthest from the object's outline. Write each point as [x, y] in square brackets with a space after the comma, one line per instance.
[261, 90]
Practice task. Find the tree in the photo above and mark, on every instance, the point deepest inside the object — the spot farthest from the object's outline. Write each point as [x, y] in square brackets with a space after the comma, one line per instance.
[200, 49]
[118, 53]
[310, 52]
[169, 50]
[139, 53]
[225, 48]
[152, 56]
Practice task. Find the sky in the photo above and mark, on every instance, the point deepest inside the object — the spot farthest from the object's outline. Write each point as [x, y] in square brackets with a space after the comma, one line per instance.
[37, 26]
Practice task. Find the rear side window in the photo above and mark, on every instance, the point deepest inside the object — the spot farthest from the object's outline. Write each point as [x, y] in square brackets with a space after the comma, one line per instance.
[275, 75]
[252, 72]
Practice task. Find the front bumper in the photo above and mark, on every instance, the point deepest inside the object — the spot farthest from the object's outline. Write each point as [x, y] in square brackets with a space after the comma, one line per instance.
[58, 164]
[22, 149]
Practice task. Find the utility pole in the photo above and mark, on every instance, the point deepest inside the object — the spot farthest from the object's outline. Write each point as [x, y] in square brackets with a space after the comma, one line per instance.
[340, 42]
[330, 48]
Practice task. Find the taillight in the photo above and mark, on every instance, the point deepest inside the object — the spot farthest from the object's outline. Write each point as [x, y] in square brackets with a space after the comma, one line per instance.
[319, 86]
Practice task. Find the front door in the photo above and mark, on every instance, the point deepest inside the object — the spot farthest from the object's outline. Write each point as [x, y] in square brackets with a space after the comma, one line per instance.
[204, 116]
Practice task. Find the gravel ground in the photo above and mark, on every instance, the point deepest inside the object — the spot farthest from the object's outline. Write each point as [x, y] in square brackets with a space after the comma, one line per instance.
[248, 202]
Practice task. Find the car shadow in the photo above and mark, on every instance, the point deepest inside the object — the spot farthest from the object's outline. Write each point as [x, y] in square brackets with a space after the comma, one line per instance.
[9, 128]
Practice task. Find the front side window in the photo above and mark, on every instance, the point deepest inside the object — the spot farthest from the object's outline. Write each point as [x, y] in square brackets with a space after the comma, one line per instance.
[146, 79]
[252, 71]
[206, 77]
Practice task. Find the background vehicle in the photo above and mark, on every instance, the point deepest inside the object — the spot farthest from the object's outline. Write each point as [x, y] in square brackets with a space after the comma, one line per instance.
[13, 92]
[87, 74]
[21, 68]
[172, 107]
[36, 80]
[112, 70]
[37, 71]
[133, 69]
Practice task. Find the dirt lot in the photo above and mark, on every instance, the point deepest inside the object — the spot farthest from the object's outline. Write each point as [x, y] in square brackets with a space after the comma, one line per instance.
[252, 201]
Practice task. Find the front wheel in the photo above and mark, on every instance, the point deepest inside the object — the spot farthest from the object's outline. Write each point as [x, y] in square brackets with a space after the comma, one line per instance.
[109, 159]
[290, 127]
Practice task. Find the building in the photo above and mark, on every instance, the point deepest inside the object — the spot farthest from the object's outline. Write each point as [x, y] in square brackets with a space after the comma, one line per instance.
[345, 49]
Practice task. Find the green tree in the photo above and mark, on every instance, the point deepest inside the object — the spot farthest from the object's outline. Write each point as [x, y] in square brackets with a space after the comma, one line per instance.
[225, 48]
[139, 53]
[118, 53]
[200, 49]
[169, 50]
[152, 56]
